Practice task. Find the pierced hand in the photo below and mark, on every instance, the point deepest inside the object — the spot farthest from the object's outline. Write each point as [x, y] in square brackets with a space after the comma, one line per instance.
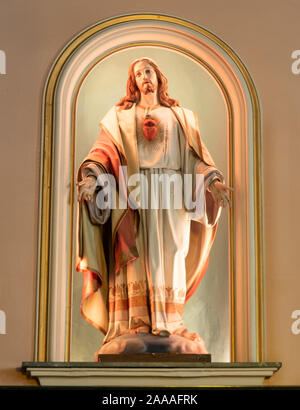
[87, 188]
[220, 193]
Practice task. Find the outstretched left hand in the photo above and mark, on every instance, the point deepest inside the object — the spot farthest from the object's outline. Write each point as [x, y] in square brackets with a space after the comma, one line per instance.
[221, 193]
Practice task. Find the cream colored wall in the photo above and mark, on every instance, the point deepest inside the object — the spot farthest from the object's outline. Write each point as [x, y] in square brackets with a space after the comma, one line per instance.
[264, 34]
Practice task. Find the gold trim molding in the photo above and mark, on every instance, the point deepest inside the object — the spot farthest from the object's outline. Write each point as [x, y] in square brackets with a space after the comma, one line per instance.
[46, 175]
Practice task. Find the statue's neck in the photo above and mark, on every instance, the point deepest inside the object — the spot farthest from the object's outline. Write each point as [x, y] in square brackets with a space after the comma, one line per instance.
[149, 100]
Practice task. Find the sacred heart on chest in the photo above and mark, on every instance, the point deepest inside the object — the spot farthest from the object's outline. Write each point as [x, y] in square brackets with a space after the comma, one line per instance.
[150, 128]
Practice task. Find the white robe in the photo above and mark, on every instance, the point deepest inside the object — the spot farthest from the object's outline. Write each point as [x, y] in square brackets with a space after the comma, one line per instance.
[148, 294]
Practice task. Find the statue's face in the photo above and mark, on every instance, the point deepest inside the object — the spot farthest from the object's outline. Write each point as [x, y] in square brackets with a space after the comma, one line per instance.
[145, 77]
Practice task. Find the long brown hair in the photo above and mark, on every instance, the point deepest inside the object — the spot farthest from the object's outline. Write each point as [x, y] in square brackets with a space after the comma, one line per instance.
[133, 93]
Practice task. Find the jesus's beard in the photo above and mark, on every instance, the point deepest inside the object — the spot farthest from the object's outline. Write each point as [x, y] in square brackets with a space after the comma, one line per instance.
[148, 88]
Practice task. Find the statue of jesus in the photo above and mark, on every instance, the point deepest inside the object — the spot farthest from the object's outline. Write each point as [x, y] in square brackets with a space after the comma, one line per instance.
[143, 260]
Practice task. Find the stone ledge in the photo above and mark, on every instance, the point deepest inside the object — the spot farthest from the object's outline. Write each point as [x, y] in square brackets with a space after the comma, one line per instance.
[150, 374]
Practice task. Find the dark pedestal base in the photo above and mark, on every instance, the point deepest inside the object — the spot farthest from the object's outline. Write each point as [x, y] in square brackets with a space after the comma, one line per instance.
[166, 358]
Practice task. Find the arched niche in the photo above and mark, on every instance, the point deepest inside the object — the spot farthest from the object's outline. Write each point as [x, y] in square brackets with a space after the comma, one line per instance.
[218, 63]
